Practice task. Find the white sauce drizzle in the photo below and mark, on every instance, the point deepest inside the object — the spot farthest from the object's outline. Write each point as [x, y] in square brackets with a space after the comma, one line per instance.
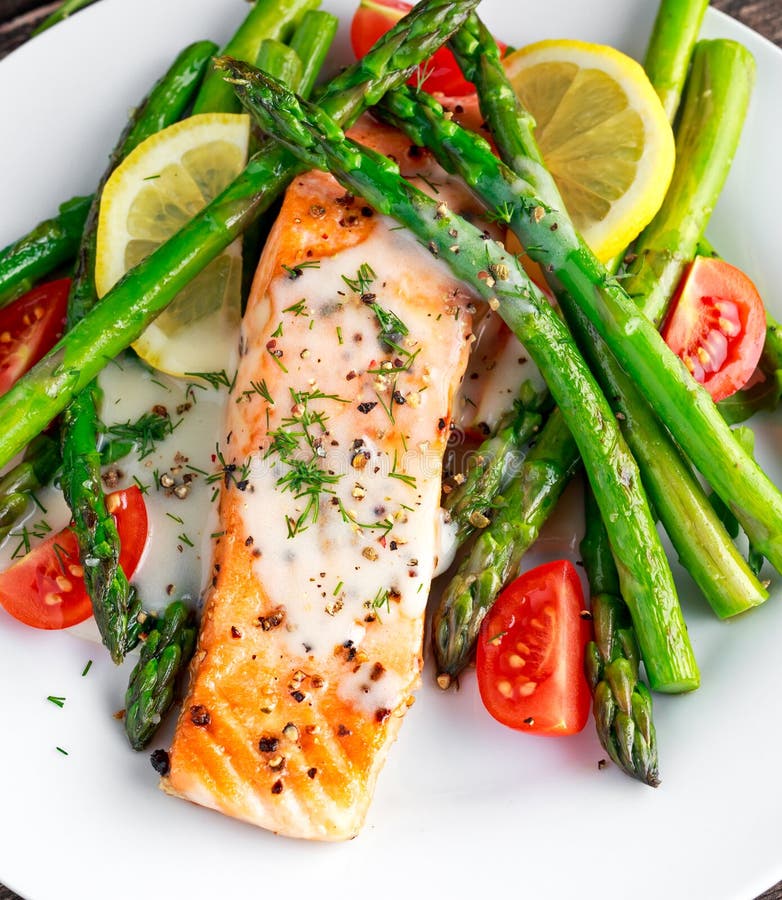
[334, 574]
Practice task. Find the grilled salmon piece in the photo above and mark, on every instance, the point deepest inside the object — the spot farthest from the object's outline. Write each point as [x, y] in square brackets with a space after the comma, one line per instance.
[353, 344]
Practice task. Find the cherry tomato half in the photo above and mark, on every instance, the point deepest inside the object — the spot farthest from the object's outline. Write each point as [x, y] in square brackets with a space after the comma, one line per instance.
[530, 655]
[45, 589]
[29, 328]
[716, 325]
[373, 19]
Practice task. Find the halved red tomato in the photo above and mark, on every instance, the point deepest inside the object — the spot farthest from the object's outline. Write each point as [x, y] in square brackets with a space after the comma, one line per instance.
[30, 327]
[530, 654]
[373, 19]
[716, 325]
[45, 589]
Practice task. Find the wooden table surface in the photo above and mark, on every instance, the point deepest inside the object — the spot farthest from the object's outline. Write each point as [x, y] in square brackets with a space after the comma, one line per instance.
[19, 17]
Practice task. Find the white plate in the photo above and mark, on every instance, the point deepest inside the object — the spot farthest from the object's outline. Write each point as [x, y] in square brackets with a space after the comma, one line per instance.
[464, 806]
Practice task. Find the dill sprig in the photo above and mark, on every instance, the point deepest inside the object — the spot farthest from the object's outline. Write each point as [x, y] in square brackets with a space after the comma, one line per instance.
[216, 379]
[230, 473]
[296, 271]
[142, 435]
[301, 433]
[392, 328]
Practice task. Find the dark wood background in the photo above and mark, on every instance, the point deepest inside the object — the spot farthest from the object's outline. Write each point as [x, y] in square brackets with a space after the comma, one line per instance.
[19, 17]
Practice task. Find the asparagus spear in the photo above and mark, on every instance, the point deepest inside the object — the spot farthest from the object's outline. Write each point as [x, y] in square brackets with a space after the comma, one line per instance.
[114, 602]
[65, 9]
[280, 60]
[494, 464]
[311, 42]
[49, 245]
[144, 292]
[523, 507]
[670, 47]
[41, 460]
[684, 406]
[622, 703]
[497, 277]
[275, 19]
[708, 133]
[166, 651]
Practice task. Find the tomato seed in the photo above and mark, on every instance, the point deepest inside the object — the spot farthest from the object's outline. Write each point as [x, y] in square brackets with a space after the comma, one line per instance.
[505, 688]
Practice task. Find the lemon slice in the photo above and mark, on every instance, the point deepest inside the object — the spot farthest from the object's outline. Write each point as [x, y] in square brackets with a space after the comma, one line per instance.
[603, 134]
[156, 190]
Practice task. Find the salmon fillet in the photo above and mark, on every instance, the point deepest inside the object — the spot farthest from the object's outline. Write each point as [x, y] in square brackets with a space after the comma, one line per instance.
[353, 343]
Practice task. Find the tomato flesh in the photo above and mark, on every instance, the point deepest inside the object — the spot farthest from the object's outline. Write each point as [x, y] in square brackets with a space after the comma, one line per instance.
[29, 328]
[717, 325]
[530, 654]
[45, 588]
[441, 73]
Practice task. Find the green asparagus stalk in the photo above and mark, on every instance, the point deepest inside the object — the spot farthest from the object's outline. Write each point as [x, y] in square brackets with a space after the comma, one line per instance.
[520, 512]
[469, 503]
[622, 702]
[297, 64]
[670, 48]
[164, 654]
[685, 407]
[311, 42]
[275, 19]
[702, 544]
[115, 603]
[494, 464]
[41, 460]
[65, 9]
[49, 245]
[280, 60]
[708, 133]
[497, 277]
[149, 287]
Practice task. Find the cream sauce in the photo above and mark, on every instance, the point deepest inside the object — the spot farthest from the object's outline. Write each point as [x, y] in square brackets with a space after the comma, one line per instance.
[380, 418]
